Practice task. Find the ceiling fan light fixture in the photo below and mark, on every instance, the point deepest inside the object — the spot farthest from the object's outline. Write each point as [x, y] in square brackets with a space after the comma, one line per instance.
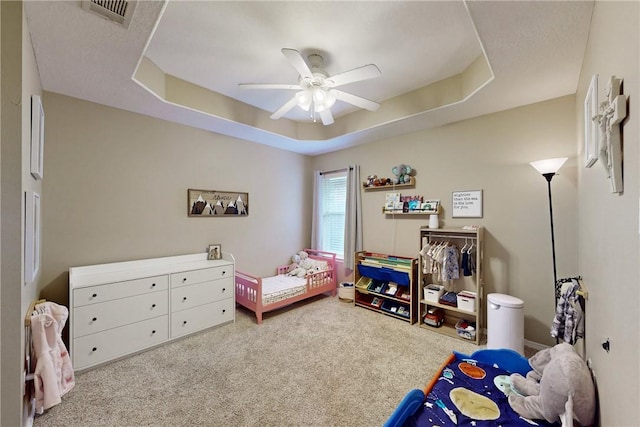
[304, 99]
[323, 99]
[331, 97]
[315, 91]
[319, 96]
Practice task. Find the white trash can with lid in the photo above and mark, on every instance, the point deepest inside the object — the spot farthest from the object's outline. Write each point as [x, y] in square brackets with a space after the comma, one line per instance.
[505, 322]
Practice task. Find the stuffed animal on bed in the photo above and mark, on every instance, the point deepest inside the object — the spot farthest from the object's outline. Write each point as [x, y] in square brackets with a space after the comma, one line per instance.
[297, 268]
[559, 383]
[302, 265]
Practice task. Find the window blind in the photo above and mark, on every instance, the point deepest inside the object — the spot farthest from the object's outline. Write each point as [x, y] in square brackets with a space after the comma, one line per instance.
[334, 196]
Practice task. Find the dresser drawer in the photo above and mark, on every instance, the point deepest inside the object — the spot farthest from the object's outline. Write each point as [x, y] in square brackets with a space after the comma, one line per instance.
[93, 318]
[96, 348]
[204, 316]
[198, 276]
[111, 291]
[186, 297]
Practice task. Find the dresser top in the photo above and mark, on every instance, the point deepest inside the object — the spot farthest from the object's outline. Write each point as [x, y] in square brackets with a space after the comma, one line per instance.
[99, 274]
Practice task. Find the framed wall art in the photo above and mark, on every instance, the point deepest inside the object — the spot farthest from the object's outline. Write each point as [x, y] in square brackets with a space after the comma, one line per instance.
[32, 236]
[215, 251]
[212, 203]
[467, 204]
[37, 137]
[591, 123]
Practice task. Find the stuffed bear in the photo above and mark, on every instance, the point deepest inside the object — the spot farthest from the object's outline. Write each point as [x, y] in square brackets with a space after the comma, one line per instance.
[560, 382]
[297, 267]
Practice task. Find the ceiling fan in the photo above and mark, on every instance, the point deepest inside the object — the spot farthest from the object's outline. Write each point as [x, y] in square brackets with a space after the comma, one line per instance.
[316, 91]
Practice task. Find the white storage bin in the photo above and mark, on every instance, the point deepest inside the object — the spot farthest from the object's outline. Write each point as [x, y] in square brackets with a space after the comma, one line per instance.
[433, 292]
[467, 301]
[346, 292]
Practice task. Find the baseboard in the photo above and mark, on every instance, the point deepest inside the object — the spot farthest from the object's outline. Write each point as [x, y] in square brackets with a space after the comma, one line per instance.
[530, 344]
[535, 345]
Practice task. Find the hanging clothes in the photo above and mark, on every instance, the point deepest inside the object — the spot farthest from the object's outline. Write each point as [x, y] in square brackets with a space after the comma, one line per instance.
[568, 323]
[427, 261]
[53, 376]
[450, 265]
[468, 263]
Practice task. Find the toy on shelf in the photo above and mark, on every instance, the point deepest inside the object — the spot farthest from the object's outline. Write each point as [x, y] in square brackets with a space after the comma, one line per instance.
[403, 176]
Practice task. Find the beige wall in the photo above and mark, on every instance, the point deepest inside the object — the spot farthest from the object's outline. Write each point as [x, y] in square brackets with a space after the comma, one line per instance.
[19, 81]
[11, 218]
[608, 223]
[30, 86]
[490, 153]
[116, 189]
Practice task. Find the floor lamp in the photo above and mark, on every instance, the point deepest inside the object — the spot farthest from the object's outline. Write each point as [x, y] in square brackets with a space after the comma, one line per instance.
[548, 168]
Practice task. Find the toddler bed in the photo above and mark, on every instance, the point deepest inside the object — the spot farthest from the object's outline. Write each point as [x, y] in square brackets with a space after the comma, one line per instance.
[262, 295]
[467, 391]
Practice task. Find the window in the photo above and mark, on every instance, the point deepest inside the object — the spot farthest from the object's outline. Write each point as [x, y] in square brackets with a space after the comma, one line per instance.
[332, 212]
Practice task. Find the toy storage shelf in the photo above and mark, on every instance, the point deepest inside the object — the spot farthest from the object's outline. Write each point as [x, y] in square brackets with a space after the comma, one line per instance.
[391, 187]
[457, 237]
[386, 284]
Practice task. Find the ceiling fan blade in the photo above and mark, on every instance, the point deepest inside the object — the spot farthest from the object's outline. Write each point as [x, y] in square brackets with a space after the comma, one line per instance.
[356, 100]
[327, 117]
[357, 74]
[285, 108]
[298, 62]
[269, 86]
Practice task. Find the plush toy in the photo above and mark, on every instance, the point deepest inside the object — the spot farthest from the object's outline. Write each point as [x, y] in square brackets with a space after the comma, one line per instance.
[403, 174]
[298, 272]
[297, 267]
[560, 383]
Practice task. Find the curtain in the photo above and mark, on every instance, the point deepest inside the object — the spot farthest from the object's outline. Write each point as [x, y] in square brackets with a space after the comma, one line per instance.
[353, 217]
[316, 239]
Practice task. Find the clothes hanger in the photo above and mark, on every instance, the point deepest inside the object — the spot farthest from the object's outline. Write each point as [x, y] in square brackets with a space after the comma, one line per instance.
[466, 243]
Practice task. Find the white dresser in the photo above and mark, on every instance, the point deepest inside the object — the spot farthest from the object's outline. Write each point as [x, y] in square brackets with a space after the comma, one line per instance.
[122, 308]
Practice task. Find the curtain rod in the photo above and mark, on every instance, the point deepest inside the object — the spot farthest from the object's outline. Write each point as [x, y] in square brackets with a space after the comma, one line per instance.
[336, 170]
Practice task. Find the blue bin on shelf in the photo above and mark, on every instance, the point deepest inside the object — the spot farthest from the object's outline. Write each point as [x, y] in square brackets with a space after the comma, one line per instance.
[395, 308]
[384, 274]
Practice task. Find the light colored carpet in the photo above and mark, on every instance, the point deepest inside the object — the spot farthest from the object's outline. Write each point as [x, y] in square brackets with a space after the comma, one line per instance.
[319, 363]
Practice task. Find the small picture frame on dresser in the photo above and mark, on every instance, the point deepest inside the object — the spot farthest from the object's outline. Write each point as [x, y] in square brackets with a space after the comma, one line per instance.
[215, 251]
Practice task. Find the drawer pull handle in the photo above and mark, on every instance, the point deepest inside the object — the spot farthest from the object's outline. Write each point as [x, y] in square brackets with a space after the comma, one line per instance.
[184, 322]
[94, 319]
[153, 306]
[94, 295]
[94, 349]
[153, 332]
[224, 272]
[184, 298]
[184, 279]
[153, 285]
[224, 289]
[224, 310]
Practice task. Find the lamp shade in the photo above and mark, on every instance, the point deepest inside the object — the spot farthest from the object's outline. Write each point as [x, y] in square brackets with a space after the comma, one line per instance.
[549, 165]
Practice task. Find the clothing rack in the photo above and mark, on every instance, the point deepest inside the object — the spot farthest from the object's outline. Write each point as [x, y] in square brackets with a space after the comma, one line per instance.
[451, 236]
[583, 292]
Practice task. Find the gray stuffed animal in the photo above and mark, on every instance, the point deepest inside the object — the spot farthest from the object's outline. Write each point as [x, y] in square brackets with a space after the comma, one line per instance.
[560, 383]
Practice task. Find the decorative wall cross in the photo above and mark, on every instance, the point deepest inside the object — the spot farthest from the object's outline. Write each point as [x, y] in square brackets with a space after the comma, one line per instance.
[612, 112]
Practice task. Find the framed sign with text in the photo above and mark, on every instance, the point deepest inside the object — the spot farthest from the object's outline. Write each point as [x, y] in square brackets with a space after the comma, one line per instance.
[466, 204]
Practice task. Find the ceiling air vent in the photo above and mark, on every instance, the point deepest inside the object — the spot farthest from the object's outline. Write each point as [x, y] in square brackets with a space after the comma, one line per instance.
[119, 11]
